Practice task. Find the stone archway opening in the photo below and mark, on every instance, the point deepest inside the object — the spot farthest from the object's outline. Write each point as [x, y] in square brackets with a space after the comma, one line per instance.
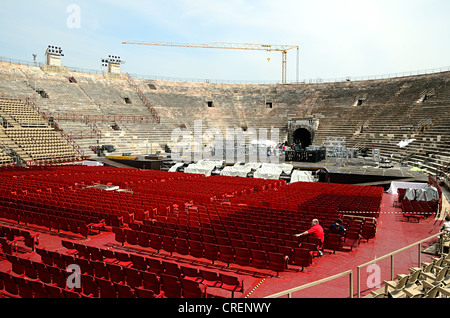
[302, 136]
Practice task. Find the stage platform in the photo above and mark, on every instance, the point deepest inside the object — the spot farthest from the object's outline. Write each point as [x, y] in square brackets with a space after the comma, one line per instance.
[361, 171]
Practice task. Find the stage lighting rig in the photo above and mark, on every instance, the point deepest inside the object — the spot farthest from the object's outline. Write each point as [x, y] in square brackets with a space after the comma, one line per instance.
[54, 50]
[113, 63]
[53, 55]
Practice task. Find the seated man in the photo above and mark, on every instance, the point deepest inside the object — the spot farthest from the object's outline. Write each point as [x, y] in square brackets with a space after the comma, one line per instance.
[316, 230]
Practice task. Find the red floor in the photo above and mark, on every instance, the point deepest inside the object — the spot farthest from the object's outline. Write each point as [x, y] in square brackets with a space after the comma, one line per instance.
[393, 233]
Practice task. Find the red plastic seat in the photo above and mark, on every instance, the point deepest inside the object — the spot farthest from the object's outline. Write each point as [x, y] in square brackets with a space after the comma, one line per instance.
[43, 273]
[89, 286]
[182, 246]
[70, 247]
[171, 268]
[73, 226]
[169, 244]
[95, 253]
[30, 271]
[210, 278]
[334, 242]
[59, 277]
[116, 273]
[368, 231]
[231, 283]
[192, 289]
[100, 270]
[106, 287]
[196, 248]
[139, 262]
[171, 286]
[85, 266]
[145, 293]
[143, 239]
[211, 251]
[302, 257]
[151, 282]
[16, 265]
[312, 247]
[24, 288]
[277, 262]
[190, 273]
[123, 259]
[30, 240]
[109, 256]
[155, 241]
[351, 238]
[39, 289]
[119, 235]
[226, 254]
[259, 259]
[133, 277]
[242, 256]
[124, 291]
[287, 251]
[131, 237]
[58, 259]
[9, 284]
[54, 291]
[154, 265]
[83, 251]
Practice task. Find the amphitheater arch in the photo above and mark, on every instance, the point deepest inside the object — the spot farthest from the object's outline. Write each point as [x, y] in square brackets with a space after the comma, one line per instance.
[302, 136]
[301, 131]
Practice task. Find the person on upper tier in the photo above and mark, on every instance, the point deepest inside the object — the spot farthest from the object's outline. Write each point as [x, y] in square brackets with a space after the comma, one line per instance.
[446, 225]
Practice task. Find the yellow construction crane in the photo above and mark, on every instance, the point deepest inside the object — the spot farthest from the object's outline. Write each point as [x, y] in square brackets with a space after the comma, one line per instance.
[233, 46]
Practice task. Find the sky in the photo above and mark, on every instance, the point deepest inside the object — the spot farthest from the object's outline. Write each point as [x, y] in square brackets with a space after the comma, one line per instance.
[336, 38]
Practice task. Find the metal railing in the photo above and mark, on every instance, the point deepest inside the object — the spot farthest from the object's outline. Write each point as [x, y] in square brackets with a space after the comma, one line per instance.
[30, 102]
[144, 99]
[219, 81]
[391, 256]
[349, 273]
[289, 292]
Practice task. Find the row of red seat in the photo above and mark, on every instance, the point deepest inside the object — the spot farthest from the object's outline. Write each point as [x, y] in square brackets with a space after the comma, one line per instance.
[136, 270]
[136, 208]
[189, 189]
[10, 236]
[418, 209]
[55, 219]
[13, 286]
[18, 286]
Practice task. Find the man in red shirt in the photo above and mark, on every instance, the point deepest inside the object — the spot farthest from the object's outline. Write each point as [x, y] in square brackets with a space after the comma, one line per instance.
[316, 230]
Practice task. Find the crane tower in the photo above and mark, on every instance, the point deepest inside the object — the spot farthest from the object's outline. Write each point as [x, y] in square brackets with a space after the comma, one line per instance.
[233, 46]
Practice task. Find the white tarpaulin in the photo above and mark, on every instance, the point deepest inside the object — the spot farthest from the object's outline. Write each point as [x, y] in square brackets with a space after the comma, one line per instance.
[432, 194]
[303, 176]
[405, 142]
[404, 185]
[175, 167]
[264, 143]
[272, 170]
[287, 168]
[268, 172]
[91, 163]
[415, 191]
[239, 170]
[203, 167]
[420, 195]
[410, 194]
